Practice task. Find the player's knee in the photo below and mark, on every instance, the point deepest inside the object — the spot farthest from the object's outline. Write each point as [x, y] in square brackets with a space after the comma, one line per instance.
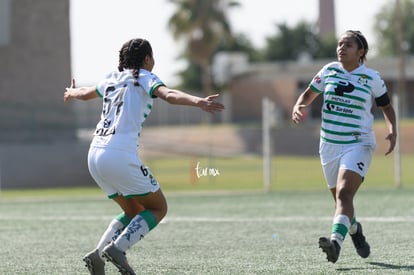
[160, 212]
[164, 210]
[343, 196]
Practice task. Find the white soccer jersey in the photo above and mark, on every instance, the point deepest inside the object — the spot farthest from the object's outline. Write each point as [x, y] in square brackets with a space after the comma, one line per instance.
[347, 102]
[125, 108]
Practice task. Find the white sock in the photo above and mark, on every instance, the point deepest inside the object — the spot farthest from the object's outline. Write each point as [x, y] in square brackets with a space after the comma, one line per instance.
[340, 228]
[112, 232]
[354, 227]
[134, 232]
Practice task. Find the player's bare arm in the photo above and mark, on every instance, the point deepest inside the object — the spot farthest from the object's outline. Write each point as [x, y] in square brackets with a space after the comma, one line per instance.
[306, 98]
[178, 97]
[390, 120]
[82, 93]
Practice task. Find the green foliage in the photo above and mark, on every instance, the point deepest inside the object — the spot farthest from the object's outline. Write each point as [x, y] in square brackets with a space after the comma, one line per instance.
[205, 28]
[386, 29]
[303, 39]
[240, 43]
[202, 25]
[191, 78]
[289, 43]
[326, 47]
[191, 75]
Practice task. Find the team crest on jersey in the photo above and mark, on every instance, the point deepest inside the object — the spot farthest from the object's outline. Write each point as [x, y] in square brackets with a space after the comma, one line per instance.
[317, 79]
[333, 72]
[363, 79]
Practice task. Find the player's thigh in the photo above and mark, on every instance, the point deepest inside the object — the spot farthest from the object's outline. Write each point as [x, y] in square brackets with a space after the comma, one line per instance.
[330, 155]
[348, 183]
[153, 201]
[357, 159]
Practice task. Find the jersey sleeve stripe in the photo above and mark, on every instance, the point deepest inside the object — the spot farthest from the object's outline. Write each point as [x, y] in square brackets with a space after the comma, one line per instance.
[155, 87]
[315, 89]
[97, 91]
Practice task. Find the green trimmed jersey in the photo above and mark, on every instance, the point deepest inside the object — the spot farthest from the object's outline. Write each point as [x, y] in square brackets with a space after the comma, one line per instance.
[125, 108]
[347, 102]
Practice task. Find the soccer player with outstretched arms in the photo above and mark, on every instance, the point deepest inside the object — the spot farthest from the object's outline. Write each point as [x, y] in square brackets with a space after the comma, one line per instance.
[113, 159]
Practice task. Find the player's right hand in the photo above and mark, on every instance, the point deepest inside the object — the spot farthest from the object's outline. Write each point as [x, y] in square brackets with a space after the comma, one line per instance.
[67, 94]
[297, 114]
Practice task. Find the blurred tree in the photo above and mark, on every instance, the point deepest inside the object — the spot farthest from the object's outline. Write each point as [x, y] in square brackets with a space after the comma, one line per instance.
[300, 41]
[190, 76]
[386, 33]
[241, 43]
[395, 31]
[326, 47]
[202, 24]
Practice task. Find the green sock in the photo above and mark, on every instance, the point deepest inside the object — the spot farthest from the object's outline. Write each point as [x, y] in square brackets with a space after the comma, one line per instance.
[139, 226]
[340, 228]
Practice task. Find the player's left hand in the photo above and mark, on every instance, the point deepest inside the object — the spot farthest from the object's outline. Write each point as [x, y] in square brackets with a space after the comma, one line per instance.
[392, 137]
[209, 105]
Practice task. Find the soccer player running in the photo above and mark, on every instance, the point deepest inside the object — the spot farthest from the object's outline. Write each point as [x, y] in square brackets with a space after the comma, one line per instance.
[113, 159]
[347, 140]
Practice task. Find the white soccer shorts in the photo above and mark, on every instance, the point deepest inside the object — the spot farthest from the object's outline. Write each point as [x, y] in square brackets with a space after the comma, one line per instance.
[120, 172]
[356, 158]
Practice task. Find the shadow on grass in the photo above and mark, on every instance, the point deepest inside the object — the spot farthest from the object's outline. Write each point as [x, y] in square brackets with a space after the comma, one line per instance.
[392, 266]
[379, 265]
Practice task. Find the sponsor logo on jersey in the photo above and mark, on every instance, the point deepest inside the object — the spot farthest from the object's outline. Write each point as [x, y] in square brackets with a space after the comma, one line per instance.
[344, 87]
[339, 109]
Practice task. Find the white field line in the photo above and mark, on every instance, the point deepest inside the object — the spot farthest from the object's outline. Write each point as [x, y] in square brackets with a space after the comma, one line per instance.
[178, 219]
[282, 219]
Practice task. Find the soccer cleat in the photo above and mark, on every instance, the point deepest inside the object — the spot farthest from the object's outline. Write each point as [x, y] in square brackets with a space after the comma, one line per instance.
[94, 263]
[331, 248]
[118, 258]
[362, 247]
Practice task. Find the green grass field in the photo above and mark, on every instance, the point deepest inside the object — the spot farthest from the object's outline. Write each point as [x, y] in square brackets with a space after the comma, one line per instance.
[246, 174]
[222, 224]
[288, 173]
[205, 233]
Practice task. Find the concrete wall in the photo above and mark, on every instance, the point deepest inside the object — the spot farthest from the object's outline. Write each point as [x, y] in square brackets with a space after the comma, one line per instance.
[38, 145]
[35, 69]
[50, 165]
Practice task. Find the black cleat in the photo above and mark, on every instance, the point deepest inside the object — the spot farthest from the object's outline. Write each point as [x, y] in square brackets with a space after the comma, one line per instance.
[362, 247]
[94, 263]
[331, 248]
[118, 258]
